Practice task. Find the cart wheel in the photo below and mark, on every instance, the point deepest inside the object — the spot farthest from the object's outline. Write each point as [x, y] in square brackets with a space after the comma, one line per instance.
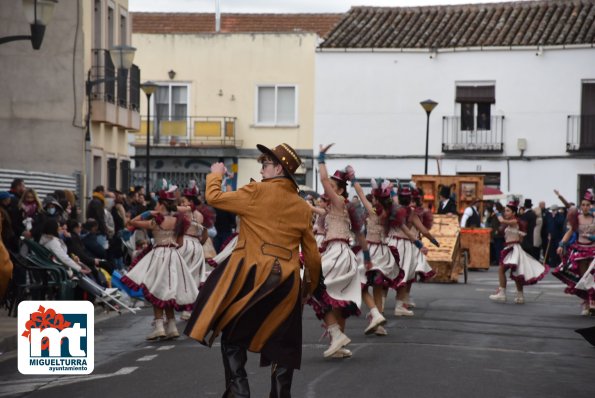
[465, 254]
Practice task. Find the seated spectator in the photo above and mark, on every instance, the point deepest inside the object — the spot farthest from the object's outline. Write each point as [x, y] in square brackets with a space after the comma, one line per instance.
[93, 242]
[51, 240]
[76, 247]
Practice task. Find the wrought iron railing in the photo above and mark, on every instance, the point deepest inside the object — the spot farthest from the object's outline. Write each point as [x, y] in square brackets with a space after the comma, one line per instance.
[103, 69]
[190, 131]
[118, 87]
[455, 139]
[580, 133]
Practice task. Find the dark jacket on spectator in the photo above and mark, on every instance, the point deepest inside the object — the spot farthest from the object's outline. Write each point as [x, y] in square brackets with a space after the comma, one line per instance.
[95, 210]
[75, 246]
[93, 246]
[530, 218]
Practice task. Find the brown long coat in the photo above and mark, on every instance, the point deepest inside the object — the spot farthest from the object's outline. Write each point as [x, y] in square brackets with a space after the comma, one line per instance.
[5, 265]
[235, 300]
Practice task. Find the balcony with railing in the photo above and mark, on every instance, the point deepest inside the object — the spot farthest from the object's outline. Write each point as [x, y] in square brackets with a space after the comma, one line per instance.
[191, 131]
[482, 136]
[116, 99]
[580, 133]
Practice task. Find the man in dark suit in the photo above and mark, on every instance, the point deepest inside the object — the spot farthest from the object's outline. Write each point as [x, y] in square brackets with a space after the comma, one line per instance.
[530, 218]
[446, 205]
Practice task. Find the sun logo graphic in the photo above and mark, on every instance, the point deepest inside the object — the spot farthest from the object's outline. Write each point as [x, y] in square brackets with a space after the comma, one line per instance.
[56, 337]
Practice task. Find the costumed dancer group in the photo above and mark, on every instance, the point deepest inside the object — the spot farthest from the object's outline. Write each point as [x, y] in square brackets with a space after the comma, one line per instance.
[254, 296]
[577, 251]
[390, 255]
[170, 271]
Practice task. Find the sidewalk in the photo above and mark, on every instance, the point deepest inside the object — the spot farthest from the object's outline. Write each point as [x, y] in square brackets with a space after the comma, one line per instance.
[9, 327]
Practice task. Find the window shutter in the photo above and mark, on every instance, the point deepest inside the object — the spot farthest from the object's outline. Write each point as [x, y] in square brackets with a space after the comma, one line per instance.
[486, 94]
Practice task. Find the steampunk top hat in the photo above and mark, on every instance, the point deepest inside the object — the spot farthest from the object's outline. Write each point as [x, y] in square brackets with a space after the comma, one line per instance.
[286, 156]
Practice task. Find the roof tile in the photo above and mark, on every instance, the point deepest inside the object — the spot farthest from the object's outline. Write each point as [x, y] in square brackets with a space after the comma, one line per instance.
[171, 23]
[520, 23]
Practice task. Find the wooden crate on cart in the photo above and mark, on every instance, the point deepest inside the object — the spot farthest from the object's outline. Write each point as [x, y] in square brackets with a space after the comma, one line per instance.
[445, 260]
[477, 242]
[465, 187]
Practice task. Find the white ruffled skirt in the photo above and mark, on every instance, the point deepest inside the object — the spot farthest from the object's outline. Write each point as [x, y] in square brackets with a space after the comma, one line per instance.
[385, 268]
[523, 268]
[407, 259]
[587, 281]
[340, 271]
[192, 252]
[164, 278]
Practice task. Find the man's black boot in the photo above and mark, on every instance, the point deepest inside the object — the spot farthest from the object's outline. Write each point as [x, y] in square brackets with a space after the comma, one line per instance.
[280, 382]
[236, 379]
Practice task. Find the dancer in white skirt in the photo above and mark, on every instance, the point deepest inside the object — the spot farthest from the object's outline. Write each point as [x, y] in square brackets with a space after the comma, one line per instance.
[578, 256]
[385, 262]
[320, 210]
[340, 297]
[162, 273]
[524, 269]
[404, 237]
[196, 235]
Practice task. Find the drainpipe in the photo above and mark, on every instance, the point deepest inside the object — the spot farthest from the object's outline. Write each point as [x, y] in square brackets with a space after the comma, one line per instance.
[217, 16]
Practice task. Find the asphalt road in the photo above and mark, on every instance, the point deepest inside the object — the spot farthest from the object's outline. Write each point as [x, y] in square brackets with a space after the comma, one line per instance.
[458, 344]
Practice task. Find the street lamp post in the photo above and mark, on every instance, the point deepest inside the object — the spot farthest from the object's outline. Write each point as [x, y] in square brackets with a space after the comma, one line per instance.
[148, 88]
[428, 106]
[39, 13]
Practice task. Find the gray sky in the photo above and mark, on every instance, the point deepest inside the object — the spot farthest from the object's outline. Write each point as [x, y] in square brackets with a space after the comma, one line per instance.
[280, 6]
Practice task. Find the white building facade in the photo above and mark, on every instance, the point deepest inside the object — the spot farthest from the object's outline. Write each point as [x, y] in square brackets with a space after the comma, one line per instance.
[520, 115]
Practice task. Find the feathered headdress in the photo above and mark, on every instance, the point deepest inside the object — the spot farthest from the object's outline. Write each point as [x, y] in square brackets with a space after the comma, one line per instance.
[382, 189]
[192, 189]
[167, 193]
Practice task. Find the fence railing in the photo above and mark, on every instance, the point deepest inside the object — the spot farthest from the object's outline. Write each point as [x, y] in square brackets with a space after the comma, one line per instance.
[580, 133]
[190, 131]
[118, 87]
[455, 139]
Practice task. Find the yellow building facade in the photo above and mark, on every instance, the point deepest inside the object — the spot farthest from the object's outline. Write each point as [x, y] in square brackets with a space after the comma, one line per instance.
[221, 93]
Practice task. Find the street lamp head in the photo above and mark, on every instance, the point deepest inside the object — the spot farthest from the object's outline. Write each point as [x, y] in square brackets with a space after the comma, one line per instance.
[122, 56]
[428, 105]
[39, 12]
[149, 88]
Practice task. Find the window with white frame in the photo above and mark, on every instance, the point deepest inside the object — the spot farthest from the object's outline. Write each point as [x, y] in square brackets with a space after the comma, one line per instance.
[171, 102]
[476, 103]
[276, 105]
[171, 110]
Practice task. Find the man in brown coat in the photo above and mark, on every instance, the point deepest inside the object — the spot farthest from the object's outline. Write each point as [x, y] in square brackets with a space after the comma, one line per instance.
[254, 300]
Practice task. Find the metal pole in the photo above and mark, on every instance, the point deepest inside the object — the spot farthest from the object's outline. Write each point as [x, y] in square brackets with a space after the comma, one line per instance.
[148, 182]
[427, 142]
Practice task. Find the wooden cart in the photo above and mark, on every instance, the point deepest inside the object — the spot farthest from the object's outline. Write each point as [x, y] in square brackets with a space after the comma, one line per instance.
[477, 243]
[448, 260]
